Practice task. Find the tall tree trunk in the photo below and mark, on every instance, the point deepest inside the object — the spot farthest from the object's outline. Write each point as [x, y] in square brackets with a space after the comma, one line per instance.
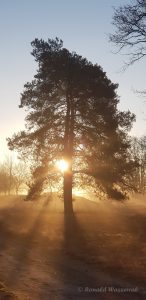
[68, 181]
[68, 206]
[68, 154]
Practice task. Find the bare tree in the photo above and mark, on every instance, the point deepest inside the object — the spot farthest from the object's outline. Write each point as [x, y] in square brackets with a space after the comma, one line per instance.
[14, 176]
[21, 176]
[130, 30]
[8, 169]
[138, 153]
[4, 181]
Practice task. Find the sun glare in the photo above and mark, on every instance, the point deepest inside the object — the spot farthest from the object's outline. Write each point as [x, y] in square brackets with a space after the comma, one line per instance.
[62, 165]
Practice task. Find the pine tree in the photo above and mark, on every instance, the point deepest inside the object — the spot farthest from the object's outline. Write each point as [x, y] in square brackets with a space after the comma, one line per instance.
[73, 115]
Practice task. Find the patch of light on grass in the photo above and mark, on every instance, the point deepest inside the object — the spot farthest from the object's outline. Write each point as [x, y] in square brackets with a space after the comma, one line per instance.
[86, 194]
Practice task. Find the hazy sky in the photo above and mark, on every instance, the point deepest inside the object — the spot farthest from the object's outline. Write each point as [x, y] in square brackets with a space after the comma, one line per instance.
[84, 26]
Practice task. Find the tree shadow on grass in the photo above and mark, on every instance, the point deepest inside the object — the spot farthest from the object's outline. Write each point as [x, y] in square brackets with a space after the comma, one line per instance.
[81, 271]
[74, 275]
[25, 243]
[70, 267]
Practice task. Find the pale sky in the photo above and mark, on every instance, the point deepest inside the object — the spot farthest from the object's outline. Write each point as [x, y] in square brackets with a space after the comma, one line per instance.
[84, 26]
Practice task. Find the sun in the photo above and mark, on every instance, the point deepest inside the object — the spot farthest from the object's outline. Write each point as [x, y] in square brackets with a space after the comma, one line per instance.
[62, 165]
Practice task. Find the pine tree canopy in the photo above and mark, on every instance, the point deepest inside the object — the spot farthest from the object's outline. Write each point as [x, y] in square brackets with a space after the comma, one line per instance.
[72, 114]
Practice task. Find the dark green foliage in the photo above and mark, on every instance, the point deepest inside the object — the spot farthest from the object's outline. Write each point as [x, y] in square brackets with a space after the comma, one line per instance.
[72, 114]
[39, 177]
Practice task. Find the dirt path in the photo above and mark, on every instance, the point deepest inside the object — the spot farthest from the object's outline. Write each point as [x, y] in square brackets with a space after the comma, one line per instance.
[42, 257]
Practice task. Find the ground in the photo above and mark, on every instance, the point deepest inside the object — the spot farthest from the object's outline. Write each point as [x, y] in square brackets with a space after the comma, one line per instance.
[45, 256]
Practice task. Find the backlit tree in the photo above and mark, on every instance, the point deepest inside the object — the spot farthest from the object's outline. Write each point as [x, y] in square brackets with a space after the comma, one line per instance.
[73, 115]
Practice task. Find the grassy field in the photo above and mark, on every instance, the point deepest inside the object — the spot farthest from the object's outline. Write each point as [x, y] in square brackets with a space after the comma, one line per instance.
[100, 253]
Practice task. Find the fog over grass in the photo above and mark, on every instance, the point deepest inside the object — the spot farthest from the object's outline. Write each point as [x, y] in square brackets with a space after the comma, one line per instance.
[43, 257]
